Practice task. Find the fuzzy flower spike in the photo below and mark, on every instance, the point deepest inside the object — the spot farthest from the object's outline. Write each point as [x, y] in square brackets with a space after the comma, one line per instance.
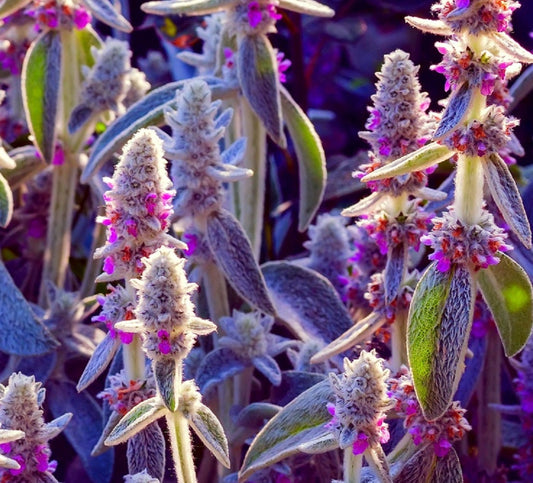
[20, 412]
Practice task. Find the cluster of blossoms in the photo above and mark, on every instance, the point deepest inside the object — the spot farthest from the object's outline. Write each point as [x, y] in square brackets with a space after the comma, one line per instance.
[13, 46]
[253, 17]
[138, 208]
[375, 295]
[230, 72]
[117, 306]
[54, 14]
[475, 245]
[440, 433]
[360, 403]
[20, 403]
[122, 394]
[476, 16]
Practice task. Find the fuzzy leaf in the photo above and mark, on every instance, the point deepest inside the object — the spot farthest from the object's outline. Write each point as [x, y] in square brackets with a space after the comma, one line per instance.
[136, 420]
[322, 444]
[268, 366]
[165, 377]
[104, 11]
[5, 160]
[363, 206]
[254, 415]
[146, 451]
[310, 157]
[512, 48]
[422, 158]
[7, 435]
[507, 291]
[473, 369]
[293, 383]
[456, 110]
[376, 459]
[259, 79]
[217, 366]
[436, 27]
[227, 173]
[112, 421]
[448, 469]
[418, 467]
[208, 428]
[6, 202]
[41, 81]
[27, 165]
[102, 356]
[7, 7]
[507, 197]
[233, 254]
[521, 87]
[186, 7]
[235, 153]
[78, 117]
[300, 421]
[53, 428]
[8, 463]
[39, 366]
[304, 300]
[19, 323]
[83, 429]
[146, 112]
[394, 271]
[307, 7]
[440, 317]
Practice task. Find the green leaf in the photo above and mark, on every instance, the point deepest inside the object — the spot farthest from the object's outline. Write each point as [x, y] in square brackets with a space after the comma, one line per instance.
[146, 112]
[165, 379]
[305, 299]
[7, 7]
[6, 202]
[440, 317]
[145, 413]
[507, 197]
[310, 156]
[41, 80]
[208, 428]
[507, 291]
[302, 420]
[307, 7]
[456, 110]
[259, 79]
[186, 7]
[104, 11]
[422, 158]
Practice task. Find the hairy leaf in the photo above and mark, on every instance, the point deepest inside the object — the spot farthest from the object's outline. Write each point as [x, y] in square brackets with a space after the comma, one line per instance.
[217, 366]
[422, 158]
[233, 254]
[418, 467]
[254, 415]
[41, 84]
[437, 27]
[39, 366]
[307, 7]
[507, 197]
[146, 451]
[259, 79]
[110, 424]
[104, 11]
[301, 420]
[53, 428]
[507, 291]
[6, 202]
[473, 369]
[394, 271]
[363, 206]
[325, 442]
[268, 366]
[165, 377]
[521, 87]
[186, 7]
[512, 48]
[310, 157]
[448, 469]
[102, 356]
[440, 317]
[27, 165]
[456, 110]
[304, 300]
[83, 429]
[208, 428]
[376, 459]
[5, 160]
[293, 383]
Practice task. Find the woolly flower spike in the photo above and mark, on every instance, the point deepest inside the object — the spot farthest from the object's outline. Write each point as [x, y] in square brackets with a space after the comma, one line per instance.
[110, 85]
[360, 402]
[442, 432]
[19, 410]
[165, 313]
[199, 169]
[473, 245]
[117, 306]
[138, 208]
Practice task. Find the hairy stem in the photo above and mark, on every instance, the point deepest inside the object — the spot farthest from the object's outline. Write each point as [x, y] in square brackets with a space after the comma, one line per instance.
[468, 201]
[94, 266]
[180, 441]
[399, 341]
[133, 355]
[352, 466]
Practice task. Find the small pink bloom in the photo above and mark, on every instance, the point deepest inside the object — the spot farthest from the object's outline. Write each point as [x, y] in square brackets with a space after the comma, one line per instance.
[272, 12]
[59, 156]
[81, 18]
[463, 3]
[442, 448]
[109, 265]
[254, 14]
[112, 235]
[131, 227]
[20, 460]
[126, 337]
[360, 444]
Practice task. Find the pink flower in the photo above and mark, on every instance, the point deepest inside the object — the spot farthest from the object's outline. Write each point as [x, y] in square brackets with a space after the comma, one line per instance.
[109, 265]
[81, 18]
[442, 447]
[254, 14]
[283, 65]
[360, 444]
[164, 344]
[463, 3]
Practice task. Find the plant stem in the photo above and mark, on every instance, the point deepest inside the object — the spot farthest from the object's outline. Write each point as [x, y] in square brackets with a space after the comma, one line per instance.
[133, 355]
[216, 292]
[93, 268]
[468, 201]
[252, 190]
[180, 441]
[352, 466]
[399, 341]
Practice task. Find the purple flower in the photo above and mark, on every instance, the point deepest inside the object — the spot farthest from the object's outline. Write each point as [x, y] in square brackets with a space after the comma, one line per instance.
[360, 445]
[442, 447]
[255, 15]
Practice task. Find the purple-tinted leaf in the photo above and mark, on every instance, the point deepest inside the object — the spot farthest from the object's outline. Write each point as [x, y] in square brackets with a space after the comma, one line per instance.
[304, 300]
[473, 369]
[165, 377]
[146, 451]
[440, 317]
[505, 194]
[217, 366]
[233, 255]
[394, 271]
[78, 117]
[254, 415]
[6, 202]
[507, 291]
[102, 356]
[457, 109]
[39, 366]
[268, 366]
[110, 424]
[83, 430]
[27, 165]
[448, 469]
[521, 87]
[293, 383]
[258, 75]
[41, 81]
[104, 11]
[418, 467]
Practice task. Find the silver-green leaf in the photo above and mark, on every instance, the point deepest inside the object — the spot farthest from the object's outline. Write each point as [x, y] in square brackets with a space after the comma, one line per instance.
[456, 110]
[165, 377]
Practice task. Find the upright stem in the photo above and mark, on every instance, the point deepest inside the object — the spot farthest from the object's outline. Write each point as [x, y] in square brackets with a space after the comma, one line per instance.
[352, 466]
[94, 266]
[133, 355]
[252, 190]
[180, 441]
[216, 292]
[399, 341]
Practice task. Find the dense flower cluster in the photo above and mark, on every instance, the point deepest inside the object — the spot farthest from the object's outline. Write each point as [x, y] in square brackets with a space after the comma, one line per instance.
[253, 17]
[375, 295]
[440, 433]
[360, 401]
[55, 14]
[474, 245]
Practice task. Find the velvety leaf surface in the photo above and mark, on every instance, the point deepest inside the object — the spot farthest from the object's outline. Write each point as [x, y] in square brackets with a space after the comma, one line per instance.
[254, 415]
[41, 79]
[146, 451]
[456, 110]
[165, 375]
[301, 420]
[217, 366]
[233, 255]
[310, 156]
[521, 87]
[6, 202]
[512, 48]
[187, 7]
[507, 291]
[83, 430]
[27, 164]
[305, 300]
[418, 467]
[104, 11]
[396, 259]
[102, 356]
[308, 7]
[448, 468]
[436, 27]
